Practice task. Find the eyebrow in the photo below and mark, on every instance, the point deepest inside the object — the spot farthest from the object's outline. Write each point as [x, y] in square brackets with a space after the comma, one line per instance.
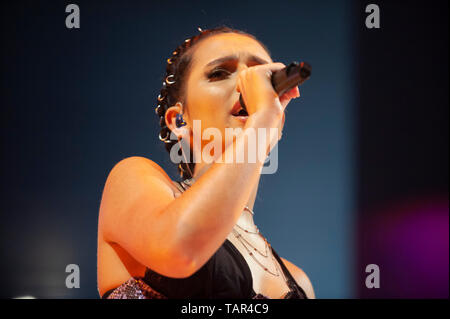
[235, 57]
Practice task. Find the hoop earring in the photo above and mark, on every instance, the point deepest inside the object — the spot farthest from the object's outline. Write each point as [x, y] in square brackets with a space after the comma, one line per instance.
[185, 159]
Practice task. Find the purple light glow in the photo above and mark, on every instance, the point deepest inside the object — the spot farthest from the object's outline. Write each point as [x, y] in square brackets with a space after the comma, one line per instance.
[409, 241]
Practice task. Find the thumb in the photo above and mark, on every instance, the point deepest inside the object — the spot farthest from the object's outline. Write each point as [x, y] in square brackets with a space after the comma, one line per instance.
[289, 95]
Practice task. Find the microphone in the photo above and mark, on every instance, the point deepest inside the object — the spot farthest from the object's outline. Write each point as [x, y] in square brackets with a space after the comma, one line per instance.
[285, 79]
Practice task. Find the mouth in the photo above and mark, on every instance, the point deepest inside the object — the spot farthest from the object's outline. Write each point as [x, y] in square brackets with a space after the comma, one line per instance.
[238, 111]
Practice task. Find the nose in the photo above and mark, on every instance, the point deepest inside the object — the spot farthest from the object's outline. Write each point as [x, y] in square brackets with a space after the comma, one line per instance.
[241, 67]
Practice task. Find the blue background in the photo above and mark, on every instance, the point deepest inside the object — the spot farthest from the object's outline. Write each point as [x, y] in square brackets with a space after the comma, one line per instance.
[75, 102]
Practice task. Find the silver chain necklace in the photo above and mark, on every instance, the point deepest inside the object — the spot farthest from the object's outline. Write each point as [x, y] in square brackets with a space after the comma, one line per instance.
[246, 230]
[239, 236]
[266, 244]
[267, 247]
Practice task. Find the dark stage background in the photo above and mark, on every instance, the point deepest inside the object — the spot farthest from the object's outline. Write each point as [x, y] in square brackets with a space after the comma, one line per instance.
[403, 150]
[364, 152]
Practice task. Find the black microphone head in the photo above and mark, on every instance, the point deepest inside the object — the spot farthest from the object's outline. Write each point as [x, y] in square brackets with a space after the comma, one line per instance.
[305, 70]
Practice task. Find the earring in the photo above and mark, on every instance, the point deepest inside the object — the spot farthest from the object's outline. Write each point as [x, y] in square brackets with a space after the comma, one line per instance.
[179, 121]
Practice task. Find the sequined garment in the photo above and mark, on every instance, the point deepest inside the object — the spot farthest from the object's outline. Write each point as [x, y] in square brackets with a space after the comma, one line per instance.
[135, 288]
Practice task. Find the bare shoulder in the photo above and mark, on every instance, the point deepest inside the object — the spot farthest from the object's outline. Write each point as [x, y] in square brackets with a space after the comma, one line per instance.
[134, 182]
[135, 175]
[301, 278]
[140, 165]
[132, 172]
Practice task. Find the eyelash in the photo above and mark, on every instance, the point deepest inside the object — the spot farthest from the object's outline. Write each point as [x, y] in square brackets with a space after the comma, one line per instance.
[214, 73]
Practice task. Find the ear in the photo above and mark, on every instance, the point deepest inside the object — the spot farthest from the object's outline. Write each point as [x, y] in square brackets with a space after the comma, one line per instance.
[170, 118]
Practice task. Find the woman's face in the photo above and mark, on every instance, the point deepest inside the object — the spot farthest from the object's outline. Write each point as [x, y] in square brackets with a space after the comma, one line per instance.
[211, 84]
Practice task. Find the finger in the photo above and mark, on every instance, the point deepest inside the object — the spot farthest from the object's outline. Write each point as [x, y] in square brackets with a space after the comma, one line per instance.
[269, 67]
[281, 126]
[296, 92]
[286, 98]
[293, 93]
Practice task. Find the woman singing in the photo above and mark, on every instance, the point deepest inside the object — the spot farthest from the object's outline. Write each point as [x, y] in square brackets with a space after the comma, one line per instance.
[196, 238]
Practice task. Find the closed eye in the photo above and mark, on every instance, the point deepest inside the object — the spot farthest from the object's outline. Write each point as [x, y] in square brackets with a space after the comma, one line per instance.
[218, 73]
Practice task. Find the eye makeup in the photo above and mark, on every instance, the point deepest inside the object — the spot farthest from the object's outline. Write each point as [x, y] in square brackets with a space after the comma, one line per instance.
[217, 73]
[223, 70]
[227, 65]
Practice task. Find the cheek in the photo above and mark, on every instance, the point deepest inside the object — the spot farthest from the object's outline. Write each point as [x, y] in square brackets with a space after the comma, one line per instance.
[210, 104]
[214, 96]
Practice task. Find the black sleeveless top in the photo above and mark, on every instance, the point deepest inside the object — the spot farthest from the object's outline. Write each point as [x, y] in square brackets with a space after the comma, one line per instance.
[225, 275]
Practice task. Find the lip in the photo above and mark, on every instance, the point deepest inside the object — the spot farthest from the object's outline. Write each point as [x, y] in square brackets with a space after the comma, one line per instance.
[241, 118]
[237, 107]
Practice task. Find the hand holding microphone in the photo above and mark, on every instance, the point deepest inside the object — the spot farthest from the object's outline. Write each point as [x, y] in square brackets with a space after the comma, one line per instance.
[282, 79]
[265, 90]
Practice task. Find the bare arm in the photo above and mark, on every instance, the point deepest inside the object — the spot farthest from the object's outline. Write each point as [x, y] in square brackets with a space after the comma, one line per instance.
[174, 237]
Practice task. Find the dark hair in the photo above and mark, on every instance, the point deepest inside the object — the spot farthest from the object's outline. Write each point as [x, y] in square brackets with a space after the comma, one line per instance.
[173, 88]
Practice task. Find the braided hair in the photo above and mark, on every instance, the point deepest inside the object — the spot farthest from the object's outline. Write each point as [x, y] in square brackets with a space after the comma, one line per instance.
[177, 70]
